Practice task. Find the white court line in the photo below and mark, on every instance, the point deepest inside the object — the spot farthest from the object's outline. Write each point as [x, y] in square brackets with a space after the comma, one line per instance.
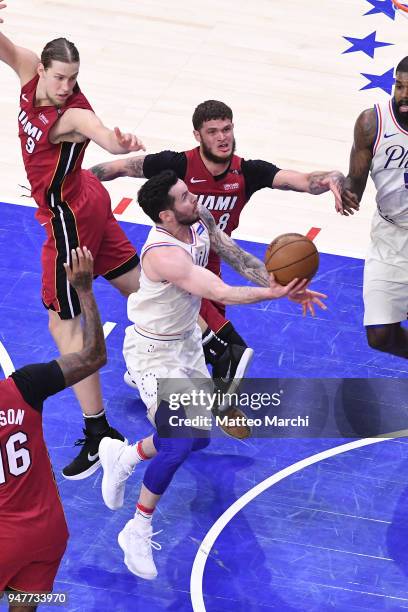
[5, 362]
[8, 367]
[197, 572]
[108, 327]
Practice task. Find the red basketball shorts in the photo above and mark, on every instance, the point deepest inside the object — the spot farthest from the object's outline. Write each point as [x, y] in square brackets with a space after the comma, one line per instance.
[91, 223]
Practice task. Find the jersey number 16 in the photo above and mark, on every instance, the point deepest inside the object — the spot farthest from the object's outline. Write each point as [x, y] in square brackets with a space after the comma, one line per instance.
[18, 458]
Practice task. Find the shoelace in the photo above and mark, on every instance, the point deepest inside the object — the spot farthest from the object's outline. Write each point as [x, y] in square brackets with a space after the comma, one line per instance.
[120, 476]
[148, 540]
[82, 441]
[154, 544]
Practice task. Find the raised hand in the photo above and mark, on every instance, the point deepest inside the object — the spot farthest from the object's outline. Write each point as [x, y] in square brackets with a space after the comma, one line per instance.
[80, 273]
[335, 182]
[129, 142]
[349, 203]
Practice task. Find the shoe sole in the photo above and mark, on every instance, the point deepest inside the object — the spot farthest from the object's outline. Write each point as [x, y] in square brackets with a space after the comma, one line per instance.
[106, 466]
[91, 470]
[244, 431]
[243, 365]
[121, 543]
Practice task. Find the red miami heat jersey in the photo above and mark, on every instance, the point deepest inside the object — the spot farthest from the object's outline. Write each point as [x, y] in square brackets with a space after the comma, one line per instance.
[54, 170]
[224, 197]
[29, 497]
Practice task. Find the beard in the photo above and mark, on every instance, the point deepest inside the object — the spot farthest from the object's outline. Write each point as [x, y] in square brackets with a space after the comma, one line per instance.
[186, 219]
[216, 159]
[401, 117]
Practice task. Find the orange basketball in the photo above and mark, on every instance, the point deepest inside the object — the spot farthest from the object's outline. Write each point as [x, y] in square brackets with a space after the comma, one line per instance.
[292, 256]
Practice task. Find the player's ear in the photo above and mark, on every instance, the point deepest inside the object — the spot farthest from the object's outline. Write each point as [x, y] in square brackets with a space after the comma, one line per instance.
[40, 69]
[197, 135]
[165, 216]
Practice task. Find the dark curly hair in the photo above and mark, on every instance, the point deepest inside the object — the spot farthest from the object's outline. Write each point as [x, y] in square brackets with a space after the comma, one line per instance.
[208, 110]
[154, 197]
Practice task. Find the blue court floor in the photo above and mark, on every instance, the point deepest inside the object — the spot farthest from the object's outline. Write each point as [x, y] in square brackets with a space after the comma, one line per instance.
[328, 534]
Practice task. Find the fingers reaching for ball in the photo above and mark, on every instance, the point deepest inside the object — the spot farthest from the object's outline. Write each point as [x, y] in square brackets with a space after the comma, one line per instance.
[308, 300]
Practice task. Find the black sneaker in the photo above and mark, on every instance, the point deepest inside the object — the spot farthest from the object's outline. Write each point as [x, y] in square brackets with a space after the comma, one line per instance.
[87, 462]
[230, 369]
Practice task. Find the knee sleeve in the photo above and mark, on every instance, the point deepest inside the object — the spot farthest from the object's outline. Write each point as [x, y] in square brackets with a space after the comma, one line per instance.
[161, 469]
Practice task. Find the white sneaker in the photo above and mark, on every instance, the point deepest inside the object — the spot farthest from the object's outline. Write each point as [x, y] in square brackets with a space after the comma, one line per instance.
[115, 474]
[135, 540]
[129, 380]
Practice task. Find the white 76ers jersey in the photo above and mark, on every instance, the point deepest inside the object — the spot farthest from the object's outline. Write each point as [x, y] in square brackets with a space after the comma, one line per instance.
[161, 310]
[389, 166]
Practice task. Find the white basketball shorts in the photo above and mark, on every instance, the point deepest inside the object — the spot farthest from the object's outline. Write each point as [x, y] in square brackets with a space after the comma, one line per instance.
[179, 364]
[385, 288]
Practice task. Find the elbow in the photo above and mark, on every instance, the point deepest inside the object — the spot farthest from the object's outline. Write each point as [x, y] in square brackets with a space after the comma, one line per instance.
[102, 358]
[97, 359]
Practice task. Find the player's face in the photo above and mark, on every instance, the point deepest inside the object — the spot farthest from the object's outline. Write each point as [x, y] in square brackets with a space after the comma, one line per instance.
[59, 81]
[401, 95]
[216, 138]
[185, 204]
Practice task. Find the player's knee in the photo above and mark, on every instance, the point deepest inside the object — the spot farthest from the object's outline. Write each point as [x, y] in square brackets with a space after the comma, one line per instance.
[67, 333]
[55, 325]
[175, 451]
[379, 338]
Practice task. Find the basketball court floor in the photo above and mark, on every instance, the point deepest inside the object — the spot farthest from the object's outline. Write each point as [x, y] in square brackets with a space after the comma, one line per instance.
[289, 524]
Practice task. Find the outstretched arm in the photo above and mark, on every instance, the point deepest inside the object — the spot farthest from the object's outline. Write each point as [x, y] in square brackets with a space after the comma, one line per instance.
[313, 182]
[174, 265]
[251, 267]
[128, 166]
[83, 122]
[23, 61]
[361, 156]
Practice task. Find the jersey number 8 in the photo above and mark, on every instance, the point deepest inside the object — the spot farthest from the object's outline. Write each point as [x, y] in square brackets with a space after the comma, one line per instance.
[223, 220]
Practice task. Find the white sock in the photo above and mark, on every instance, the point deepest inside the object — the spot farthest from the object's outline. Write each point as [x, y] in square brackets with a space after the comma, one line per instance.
[132, 455]
[144, 515]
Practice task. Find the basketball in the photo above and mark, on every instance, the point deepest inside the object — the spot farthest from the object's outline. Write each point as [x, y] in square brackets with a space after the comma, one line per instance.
[292, 256]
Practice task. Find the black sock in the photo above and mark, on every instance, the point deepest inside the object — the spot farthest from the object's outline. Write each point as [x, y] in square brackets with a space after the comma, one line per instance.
[213, 346]
[228, 334]
[96, 424]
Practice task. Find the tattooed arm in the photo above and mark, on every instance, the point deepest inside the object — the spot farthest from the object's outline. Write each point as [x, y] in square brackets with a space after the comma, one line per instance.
[128, 166]
[247, 265]
[313, 182]
[361, 155]
[92, 356]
